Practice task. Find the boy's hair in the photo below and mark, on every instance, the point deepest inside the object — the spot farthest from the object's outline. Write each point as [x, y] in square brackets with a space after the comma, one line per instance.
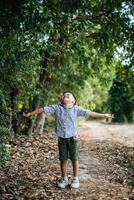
[65, 93]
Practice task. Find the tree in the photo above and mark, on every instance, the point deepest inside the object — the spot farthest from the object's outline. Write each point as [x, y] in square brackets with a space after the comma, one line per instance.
[121, 99]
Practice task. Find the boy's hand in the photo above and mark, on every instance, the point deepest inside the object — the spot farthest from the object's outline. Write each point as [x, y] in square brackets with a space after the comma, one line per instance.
[26, 114]
[35, 112]
[109, 117]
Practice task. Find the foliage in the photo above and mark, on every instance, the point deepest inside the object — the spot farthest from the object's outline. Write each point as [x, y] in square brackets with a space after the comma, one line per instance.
[4, 152]
[94, 93]
[121, 98]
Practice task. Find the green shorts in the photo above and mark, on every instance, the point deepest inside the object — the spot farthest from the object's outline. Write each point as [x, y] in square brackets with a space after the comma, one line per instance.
[68, 148]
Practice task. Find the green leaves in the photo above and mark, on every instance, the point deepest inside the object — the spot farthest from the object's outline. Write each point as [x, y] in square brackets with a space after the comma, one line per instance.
[4, 153]
[121, 94]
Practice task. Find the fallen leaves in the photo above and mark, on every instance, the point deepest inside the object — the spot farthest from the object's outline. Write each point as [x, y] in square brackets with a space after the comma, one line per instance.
[33, 169]
[120, 158]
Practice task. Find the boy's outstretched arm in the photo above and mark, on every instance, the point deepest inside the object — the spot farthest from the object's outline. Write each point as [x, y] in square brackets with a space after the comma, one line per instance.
[100, 115]
[35, 112]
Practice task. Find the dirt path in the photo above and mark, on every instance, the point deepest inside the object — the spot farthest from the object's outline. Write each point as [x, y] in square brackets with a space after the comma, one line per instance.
[104, 132]
[95, 172]
[32, 171]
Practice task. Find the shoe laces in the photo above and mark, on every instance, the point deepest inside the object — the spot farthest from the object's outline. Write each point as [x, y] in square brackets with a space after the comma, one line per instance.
[62, 180]
[75, 180]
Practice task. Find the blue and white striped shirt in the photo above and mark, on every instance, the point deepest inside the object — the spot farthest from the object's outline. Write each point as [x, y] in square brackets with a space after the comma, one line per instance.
[66, 118]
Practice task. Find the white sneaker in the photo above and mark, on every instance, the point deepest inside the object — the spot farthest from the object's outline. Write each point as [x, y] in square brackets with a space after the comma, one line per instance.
[75, 183]
[63, 183]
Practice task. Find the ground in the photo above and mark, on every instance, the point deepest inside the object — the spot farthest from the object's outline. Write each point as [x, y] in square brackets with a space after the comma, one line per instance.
[106, 165]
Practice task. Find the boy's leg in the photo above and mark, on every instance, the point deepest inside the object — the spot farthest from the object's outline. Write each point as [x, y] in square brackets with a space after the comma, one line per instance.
[63, 157]
[63, 164]
[74, 156]
[75, 182]
[75, 164]
[63, 182]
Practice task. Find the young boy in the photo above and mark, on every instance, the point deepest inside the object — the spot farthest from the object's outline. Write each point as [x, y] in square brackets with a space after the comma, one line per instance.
[66, 114]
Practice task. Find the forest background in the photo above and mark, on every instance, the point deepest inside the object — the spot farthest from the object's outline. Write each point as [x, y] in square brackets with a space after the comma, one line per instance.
[47, 47]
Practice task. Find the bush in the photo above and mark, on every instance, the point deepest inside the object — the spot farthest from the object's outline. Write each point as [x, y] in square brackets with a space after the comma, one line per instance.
[4, 152]
[120, 102]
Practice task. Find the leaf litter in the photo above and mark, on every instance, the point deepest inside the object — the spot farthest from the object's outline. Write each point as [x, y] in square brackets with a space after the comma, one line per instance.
[106, 171]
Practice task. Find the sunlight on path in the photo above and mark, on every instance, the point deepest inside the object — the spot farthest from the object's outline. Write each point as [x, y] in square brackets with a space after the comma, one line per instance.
[103, 132]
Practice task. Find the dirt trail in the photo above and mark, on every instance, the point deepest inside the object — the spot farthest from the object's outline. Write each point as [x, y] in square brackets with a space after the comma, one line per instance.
[95, 173]
[104, 132]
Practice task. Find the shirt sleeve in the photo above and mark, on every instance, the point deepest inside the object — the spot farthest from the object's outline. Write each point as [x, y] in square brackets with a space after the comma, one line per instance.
[83, 112]
[50, 109]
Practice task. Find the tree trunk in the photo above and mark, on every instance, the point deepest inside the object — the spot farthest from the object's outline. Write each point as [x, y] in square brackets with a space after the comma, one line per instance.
[43, 77]
[13, 121]
[40, 124]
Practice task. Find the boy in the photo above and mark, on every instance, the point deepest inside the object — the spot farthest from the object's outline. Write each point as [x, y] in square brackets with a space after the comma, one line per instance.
[66, 114]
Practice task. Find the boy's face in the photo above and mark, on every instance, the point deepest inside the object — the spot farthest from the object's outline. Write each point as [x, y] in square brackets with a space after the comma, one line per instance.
[68, 98]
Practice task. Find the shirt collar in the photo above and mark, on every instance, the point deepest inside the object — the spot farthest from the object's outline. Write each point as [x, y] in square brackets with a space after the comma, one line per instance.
[71, 106]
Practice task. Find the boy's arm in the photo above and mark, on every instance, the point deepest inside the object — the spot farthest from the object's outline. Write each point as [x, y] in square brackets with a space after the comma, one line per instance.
[100, 115]
[86, 112]
[35, 112]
